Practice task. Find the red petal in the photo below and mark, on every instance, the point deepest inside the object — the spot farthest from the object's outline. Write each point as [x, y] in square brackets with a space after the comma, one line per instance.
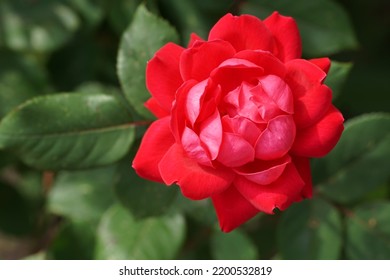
[319, 139]
[264, 59]
[196, 181]
[243, 32]
[211, 133]
[303, 166]
[277, 139]
[233, 72]
[312, 105]
[286, 35]
[279, 194]
[311, 98]
[232, 209]
[193, 147]
[243, 127]
[154, 107]
[323, 63]
[264, 172]
[155, 143]
[194, 38]
[163, 75]
[235, 151]
[197, 62]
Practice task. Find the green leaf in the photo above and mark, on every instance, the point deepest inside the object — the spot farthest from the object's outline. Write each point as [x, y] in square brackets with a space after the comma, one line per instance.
[39, 26]
[324, 26]
[68, 131]
[145, 35]
[142, 197]
[21, 78]
[337, 75]
[360, 161]
[368, 232]
[83, 196]
[74, 241]
[235, 245]
[120, 236]
[310, 230]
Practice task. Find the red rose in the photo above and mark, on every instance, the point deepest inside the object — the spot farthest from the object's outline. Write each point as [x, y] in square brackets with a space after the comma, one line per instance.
[239, 116]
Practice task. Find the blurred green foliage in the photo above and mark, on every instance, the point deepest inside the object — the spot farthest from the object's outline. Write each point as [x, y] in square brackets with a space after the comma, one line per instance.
[71, 91]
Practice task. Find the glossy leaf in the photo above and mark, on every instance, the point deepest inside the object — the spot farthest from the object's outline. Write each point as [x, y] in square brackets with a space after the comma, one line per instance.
[142, 197]
[360, 161]
[144, 36]
[83, 196]
[310, 229]
[368, 232]
[120, 236]
[39, 26]
[235, 245]
[324, 26]
[68, 131]
[337, 75]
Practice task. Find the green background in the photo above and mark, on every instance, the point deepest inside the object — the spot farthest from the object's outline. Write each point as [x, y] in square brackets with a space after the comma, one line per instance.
[72, 88]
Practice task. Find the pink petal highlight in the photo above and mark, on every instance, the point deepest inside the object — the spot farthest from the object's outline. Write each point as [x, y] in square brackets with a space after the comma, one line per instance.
[277, 139]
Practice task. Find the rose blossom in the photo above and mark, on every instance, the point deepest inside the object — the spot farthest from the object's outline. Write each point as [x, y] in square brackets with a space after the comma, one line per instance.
[239, 116]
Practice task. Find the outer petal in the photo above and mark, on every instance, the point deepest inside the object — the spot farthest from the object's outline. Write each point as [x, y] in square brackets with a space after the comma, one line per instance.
[197, 62]
[196, 181]
[232, 209]
[243, 32]
[155, 143]
[303, 166]
[286, 35]
[280, 194]
[163, 75]
[319, 139]
[193, 38]
[311, 98]
[154, 107]
[323, 63]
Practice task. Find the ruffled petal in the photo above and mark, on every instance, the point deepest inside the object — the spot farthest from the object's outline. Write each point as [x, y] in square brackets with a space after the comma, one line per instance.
[277, 139]
[211, 133]
[319, 139]
[311, 98]
[197, 62]
[153, 106]
[312, 105]
[323, 63]
[194, 148]
[264, 172]
[243, 32]
[264, 59]
[279, 194]
[233, 72]
[195, 181]
[235, 151]
[243, 127]
[163, 75]
[155, 143]
[286, 35]
[232, 209]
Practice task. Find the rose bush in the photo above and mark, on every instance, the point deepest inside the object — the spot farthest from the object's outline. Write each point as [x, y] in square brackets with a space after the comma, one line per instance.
[239, 117]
